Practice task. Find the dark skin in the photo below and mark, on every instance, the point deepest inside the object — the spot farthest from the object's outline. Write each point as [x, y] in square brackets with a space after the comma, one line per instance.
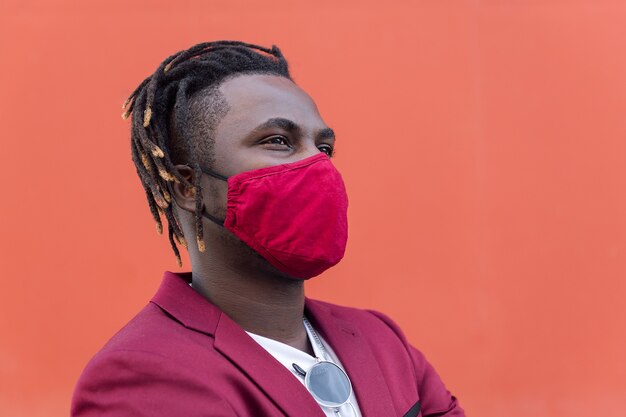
[270, 121]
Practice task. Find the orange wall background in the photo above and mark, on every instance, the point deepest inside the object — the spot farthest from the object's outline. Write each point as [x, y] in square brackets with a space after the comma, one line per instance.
[483, 144]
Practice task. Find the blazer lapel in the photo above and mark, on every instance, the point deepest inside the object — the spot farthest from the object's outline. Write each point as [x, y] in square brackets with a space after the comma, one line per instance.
[270, 375]
[360, 363]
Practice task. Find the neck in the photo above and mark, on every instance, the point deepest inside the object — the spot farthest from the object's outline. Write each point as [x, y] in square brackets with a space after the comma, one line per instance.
[264, 304]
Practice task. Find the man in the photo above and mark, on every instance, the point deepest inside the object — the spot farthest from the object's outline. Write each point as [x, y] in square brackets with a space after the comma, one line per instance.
[236, 157]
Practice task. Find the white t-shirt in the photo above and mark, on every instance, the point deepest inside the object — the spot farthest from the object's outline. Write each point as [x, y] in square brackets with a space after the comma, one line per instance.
[288, 355]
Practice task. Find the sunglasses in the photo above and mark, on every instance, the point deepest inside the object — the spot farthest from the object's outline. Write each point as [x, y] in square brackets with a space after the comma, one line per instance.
[326, 382]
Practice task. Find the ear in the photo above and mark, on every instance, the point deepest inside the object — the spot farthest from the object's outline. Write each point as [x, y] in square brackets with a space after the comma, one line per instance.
[185, 194]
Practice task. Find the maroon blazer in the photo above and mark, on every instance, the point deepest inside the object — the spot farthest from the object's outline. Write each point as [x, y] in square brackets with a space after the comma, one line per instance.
[182, 356]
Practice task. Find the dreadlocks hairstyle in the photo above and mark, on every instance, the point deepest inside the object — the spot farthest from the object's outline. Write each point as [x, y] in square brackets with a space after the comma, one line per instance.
[162, 122]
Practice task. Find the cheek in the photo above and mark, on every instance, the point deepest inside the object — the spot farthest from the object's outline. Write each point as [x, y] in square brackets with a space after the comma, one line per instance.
[233, 158]
[214, 196]
[237, 158]
[224, 156]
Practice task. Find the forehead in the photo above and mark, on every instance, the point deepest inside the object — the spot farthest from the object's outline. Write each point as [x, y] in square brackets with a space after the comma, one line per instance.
[253, 99]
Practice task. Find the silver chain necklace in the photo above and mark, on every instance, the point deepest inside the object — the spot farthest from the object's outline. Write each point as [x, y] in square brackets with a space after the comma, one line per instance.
[318, 342]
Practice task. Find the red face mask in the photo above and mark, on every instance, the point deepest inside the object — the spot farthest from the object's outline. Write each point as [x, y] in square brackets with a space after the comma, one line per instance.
[294, 215]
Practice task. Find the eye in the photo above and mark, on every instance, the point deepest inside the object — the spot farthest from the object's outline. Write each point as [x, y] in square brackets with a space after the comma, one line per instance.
[327, 149]
[276, 143]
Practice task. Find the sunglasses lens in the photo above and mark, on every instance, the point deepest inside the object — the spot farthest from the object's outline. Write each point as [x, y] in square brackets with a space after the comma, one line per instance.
[328, 384]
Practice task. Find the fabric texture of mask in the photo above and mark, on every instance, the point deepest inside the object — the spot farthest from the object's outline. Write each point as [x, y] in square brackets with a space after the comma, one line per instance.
[294, 215]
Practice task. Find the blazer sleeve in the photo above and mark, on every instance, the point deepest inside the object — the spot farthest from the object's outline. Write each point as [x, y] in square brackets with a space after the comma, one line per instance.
[133, 383]
[435, 399]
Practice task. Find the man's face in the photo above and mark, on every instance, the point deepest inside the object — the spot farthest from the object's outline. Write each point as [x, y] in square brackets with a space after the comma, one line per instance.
[270, 121]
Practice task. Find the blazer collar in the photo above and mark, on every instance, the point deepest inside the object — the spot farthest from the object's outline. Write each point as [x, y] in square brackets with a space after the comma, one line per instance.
[176, 296]
[195, 312]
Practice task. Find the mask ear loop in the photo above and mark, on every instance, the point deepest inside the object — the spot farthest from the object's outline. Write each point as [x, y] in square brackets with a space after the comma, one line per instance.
[214, 219]
[204, 213]
[213, 174]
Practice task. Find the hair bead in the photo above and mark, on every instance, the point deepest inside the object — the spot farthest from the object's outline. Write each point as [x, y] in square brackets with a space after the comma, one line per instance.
[147, 115]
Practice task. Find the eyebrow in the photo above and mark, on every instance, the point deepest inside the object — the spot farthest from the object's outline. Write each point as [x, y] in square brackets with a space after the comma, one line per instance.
[279, 122]
[290, 126]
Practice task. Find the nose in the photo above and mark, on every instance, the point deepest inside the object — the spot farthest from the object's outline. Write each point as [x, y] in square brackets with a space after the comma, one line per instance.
[310, 152]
